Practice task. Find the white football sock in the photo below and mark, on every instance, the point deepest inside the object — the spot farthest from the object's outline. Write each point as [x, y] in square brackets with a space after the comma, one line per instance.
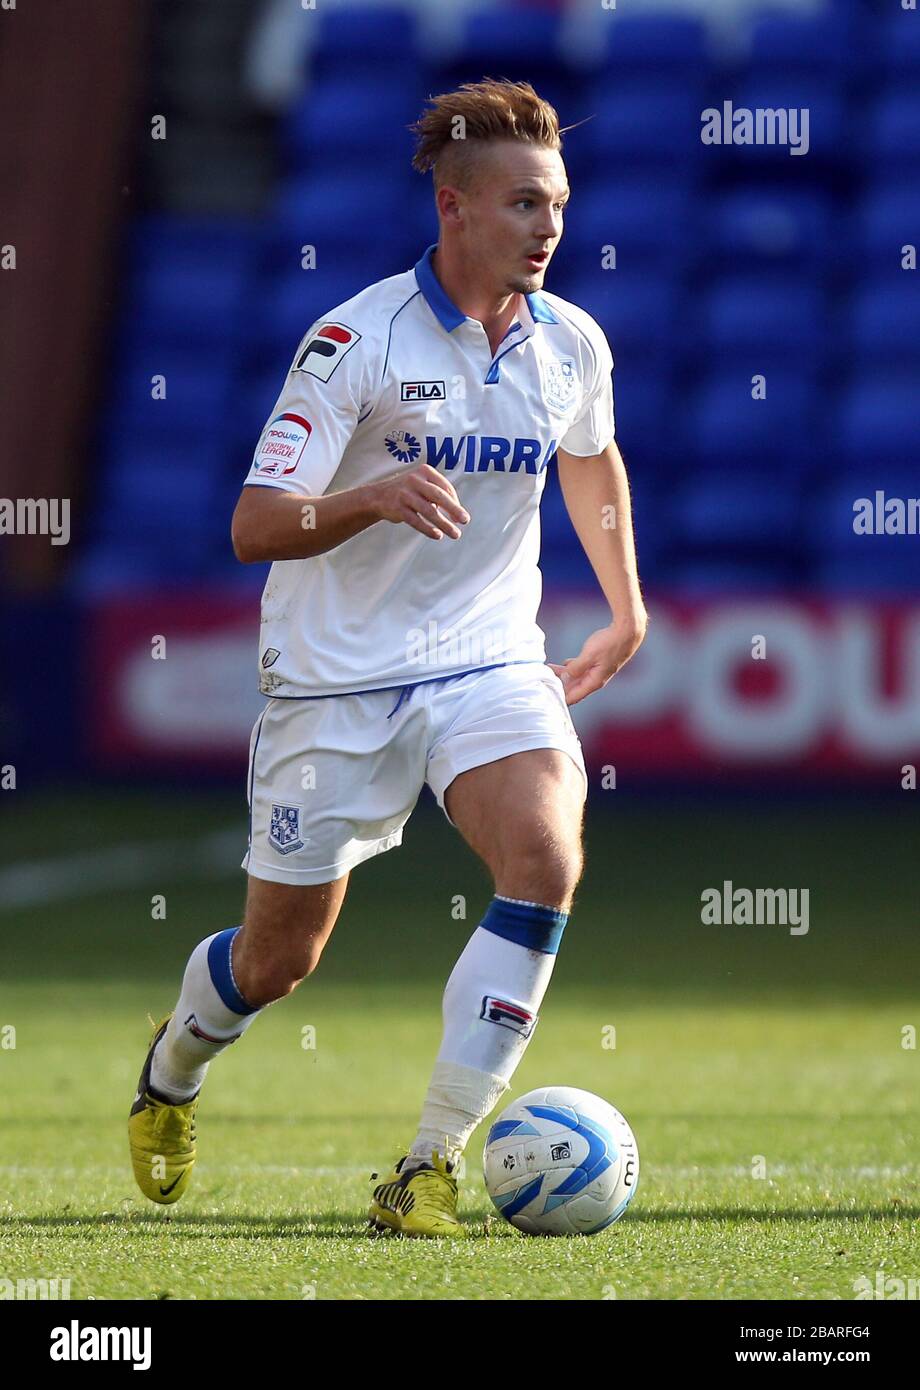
[490, 1011]
[210, 1015]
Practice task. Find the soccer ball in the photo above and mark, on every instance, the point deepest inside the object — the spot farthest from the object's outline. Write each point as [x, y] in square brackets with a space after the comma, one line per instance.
[561, 1162]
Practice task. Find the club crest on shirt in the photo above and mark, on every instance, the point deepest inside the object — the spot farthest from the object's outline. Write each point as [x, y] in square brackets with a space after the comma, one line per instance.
[324, 349]
[403, 446]
[560, 383]
[284, 831]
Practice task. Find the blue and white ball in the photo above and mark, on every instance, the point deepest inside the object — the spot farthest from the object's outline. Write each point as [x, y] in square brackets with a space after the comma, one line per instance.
[561, 1162]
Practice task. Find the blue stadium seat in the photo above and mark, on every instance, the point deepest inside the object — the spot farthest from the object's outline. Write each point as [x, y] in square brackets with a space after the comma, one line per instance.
[898, 48]
[890, 573]
[887, 219]
[767, 315]
[821, 43]
[876, 421]
[359, 37]
[166, 239]
[183, 304]
[356, 117]
[417, 228]
[704, 576]
[828, 120]
[340, 205]
[650, 46]
[188, 279]
[638, 312]
[884, 320]
[499, 41]
[723, 426]
[562, 558]
[769, 227]
[639, 124]
[835, 502]
[197, 385]
[642, 219]
[347, 219]
[123, 563]
[284, 307]
[850, 561]
[892, 138]
[159, 461]
[260, 390]
[645, 411]
[161, 489]
[747, 509]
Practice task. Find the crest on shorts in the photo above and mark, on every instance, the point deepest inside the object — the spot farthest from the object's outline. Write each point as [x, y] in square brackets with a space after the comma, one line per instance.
[284, 831]
[560, 383]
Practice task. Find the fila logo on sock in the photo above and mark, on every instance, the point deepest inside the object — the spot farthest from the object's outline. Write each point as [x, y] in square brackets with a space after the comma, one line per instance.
[324, 349]
[194, 1026]
[508, 1015]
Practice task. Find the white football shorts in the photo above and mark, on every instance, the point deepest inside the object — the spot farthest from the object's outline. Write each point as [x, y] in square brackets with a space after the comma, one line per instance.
[333, 780]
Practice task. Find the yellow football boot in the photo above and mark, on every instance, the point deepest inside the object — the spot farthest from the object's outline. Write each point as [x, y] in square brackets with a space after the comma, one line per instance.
[161, 1136]
[420, 1202]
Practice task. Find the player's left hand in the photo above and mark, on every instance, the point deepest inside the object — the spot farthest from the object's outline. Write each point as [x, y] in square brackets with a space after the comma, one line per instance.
[603, 654]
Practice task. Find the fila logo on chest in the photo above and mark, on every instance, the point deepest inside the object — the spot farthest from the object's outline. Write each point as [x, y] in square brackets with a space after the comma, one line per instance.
[423, 391]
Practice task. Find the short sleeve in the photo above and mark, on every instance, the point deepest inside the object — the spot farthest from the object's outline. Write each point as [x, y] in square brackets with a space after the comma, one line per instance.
[303, 441]
[593, 427]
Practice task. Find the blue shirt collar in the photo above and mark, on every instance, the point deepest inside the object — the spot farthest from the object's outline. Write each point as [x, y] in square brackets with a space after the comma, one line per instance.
[446, 311]
[539, 309]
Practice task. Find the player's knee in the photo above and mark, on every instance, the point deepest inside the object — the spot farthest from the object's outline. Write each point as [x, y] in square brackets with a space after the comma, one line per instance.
[543, 871]
[270, 982]
[263, 980]
[560, 875]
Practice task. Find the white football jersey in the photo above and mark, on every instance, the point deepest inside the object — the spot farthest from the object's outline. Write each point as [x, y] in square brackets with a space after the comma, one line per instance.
[395, 377]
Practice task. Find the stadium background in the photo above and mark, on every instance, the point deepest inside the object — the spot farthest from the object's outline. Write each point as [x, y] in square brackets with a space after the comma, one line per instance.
[145, 261]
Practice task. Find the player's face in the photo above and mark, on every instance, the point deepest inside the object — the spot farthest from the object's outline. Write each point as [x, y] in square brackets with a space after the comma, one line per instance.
[515, 214]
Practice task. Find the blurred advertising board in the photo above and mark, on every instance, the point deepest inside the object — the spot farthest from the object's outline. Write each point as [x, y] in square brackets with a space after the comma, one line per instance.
[721, 688]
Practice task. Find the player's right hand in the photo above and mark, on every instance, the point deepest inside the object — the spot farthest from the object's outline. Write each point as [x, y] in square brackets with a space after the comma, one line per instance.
[423, 499]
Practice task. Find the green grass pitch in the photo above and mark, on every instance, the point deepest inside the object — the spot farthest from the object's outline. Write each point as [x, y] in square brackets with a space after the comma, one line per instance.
[739, 1050]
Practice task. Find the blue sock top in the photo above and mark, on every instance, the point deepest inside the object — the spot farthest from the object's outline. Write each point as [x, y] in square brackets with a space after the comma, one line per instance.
[219, 964]
[532, 925]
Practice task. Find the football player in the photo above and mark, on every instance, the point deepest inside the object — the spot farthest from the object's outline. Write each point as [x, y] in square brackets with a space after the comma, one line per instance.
[396, 487]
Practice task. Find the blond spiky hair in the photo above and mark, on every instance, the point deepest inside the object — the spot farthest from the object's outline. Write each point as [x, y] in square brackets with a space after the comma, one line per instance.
[451, 130]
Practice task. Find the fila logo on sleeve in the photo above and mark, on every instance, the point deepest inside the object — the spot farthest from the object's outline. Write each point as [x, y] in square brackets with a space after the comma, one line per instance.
[282, 444]
[324, 350]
